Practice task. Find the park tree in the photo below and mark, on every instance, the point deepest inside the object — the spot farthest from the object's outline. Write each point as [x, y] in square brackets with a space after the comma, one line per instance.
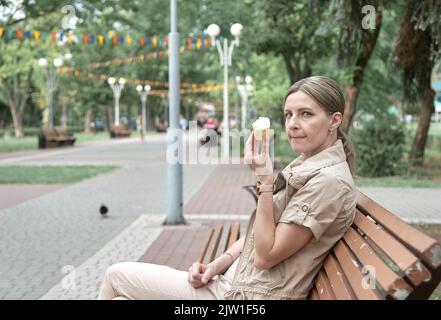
[417, 49]
[280, 28]
[355, 26]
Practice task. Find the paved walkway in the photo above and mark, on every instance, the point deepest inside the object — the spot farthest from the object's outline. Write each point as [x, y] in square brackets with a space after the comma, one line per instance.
[57, 246]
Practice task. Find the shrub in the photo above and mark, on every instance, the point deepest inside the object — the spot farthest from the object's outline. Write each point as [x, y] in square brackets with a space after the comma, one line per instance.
[379, 145]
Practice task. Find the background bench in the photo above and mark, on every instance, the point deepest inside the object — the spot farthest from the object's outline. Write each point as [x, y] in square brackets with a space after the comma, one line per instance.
[119, 131]
[379, 257]
[55, 137]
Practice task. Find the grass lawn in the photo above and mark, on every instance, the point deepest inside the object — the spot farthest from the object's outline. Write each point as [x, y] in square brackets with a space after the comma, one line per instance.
[31, 142]
[50, 174]
[14, 144]
[427, 176]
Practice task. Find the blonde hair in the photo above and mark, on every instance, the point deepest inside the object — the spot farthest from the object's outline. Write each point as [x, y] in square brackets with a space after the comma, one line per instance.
[329, 96]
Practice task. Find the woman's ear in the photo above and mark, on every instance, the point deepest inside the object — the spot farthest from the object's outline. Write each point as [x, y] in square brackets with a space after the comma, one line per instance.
[336, 119]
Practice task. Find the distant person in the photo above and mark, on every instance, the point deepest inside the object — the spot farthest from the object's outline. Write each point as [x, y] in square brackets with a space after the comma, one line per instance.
[139, 127]
[299, 217]
[183, 122]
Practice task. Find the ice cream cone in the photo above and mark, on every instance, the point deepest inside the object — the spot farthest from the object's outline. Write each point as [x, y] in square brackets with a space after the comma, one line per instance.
[259, 126]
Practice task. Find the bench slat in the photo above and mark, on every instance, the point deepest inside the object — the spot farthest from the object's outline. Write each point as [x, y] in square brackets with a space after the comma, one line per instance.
[233, 235]
[422, 245]
[353, 273]
[211, 252]
[393, 284]
[323, 286]
[336, 277]
[406, 261]
[207, 242]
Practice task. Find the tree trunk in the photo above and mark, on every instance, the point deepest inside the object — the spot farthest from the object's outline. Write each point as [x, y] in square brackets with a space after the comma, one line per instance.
[109, 118]
[350, 102]
[419, 142]
[88, 115]
[18, 124]
[369, 40]
[295, 72]
[292, 73]
[16, 96]
[64, 116]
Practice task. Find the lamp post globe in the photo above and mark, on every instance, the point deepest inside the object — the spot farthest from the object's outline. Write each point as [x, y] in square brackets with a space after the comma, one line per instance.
[42, 62]
[58, 62]
[213, 30]
[236, 29]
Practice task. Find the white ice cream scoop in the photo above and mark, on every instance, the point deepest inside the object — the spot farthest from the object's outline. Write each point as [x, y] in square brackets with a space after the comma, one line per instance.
[259, 125]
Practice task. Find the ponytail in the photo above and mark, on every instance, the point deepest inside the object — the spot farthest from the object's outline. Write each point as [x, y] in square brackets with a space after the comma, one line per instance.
[349, 150]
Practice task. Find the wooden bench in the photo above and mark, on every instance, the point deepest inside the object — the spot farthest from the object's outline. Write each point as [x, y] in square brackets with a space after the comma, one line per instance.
[119, 131]
[379, 257]
[55, 137]
[212, 247]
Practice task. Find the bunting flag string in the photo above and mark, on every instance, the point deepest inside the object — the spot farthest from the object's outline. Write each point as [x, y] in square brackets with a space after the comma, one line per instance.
[149, 56]
[188, 87]
[69, 38]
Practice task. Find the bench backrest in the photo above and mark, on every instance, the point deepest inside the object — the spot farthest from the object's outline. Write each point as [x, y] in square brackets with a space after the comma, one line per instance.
[49, 133]
[62, 132]
[119, 127]
[379, 257]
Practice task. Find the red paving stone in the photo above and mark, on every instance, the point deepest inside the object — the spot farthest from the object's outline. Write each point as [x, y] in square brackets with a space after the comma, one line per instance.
[14, 194]
[179, 247]
[222, 192]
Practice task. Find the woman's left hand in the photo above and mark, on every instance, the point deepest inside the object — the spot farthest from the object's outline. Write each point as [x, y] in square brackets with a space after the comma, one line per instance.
[260, 162]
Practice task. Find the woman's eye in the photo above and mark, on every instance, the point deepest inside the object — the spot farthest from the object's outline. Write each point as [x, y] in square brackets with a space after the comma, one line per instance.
[306, 114]
[288, 115]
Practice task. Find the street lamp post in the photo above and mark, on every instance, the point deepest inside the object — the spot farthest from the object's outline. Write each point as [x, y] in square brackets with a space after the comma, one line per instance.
[116, 88]
[245, 90]
[174, 134]
[225, 57]
[143, 93]
[51, 82]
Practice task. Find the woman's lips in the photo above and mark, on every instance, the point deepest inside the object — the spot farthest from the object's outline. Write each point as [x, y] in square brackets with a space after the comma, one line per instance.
[297, 138]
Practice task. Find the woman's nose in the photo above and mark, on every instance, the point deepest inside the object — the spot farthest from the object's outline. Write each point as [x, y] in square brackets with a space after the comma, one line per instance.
[293, 123]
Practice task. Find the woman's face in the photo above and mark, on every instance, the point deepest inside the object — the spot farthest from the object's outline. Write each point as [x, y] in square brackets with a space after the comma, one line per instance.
[308, 125]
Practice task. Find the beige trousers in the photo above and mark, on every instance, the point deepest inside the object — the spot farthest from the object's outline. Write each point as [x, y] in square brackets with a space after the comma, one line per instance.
[145, 281]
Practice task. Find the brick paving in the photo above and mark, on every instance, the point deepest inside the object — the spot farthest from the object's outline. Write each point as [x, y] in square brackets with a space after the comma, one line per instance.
[222, 192]
[180, 246]
[14, 194]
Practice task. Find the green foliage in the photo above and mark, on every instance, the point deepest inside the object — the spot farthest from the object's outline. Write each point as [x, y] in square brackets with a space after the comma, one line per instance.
[379, 146]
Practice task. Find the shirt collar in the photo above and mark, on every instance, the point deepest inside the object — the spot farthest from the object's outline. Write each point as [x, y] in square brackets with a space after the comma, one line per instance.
[297, 172]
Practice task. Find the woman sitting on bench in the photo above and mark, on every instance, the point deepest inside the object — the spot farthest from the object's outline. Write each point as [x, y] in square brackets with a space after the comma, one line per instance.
[299, 216]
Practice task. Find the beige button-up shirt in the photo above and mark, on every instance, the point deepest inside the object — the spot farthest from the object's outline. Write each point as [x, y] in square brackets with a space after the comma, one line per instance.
[317, 193]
